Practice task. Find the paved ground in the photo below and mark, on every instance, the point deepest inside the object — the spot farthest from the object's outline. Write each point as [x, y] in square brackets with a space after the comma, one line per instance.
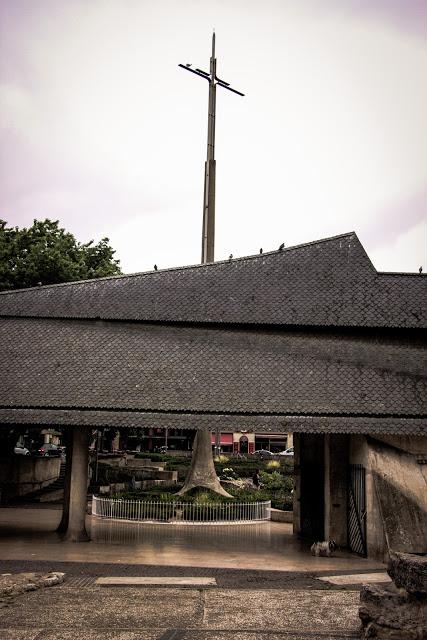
[266, 586]
[93, 612]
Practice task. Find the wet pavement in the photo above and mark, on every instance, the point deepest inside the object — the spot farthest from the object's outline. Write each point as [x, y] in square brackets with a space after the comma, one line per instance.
[263, 584]
[30, 534]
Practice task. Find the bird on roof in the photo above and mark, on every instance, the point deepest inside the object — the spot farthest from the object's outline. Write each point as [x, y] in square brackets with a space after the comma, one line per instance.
[282, 246]
[420, 270]
[260, 250]
[230, 257]
[155, 267]
[188, 64]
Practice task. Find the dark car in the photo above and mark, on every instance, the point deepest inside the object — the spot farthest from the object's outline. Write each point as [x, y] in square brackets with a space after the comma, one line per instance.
[263, 454]
[51, 450]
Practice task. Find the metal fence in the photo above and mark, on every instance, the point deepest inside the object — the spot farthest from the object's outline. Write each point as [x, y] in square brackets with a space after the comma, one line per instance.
[181, 512]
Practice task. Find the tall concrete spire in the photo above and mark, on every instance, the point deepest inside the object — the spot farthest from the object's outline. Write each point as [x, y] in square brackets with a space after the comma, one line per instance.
[208, 228]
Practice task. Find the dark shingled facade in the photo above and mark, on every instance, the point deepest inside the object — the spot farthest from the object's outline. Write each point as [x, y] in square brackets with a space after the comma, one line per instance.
[311, 339]
[330, 283]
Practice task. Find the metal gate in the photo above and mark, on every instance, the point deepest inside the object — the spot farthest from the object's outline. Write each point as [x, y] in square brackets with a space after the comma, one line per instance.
[356, 516]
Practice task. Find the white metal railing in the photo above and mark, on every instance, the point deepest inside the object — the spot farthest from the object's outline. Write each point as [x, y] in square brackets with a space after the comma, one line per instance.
[181, 512]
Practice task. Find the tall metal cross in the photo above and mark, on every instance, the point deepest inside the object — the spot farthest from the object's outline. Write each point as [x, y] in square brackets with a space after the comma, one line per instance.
[208, 230]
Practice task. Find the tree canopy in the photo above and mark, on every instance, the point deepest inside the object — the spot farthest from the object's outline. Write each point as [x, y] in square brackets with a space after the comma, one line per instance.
[47, 254]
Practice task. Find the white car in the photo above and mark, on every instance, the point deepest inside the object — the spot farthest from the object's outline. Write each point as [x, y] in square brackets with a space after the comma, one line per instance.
[21, 451]
[287, 452]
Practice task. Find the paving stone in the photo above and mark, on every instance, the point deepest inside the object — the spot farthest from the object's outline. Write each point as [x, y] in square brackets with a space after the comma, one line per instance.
[155, 580]
[356, 578]
[103, 607]
[20, 634]
[99, 634]
[277, 610]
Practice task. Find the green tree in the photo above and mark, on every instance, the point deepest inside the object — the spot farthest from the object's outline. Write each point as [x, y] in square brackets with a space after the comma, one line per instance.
[47, 254]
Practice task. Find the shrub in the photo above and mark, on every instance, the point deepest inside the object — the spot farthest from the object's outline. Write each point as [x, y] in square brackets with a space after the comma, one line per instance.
[273, 464]
[229, 474]
[276, 481]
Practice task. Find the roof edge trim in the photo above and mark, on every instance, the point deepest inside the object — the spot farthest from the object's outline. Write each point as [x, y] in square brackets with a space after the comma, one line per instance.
[190, 266]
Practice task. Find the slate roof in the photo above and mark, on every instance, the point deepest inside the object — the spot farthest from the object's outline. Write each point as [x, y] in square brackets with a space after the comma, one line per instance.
[235, 422]
[117, 372]
[329, 283]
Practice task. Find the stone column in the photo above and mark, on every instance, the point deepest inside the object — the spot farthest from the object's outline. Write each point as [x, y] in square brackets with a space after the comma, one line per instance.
[63, 525]
[297, 489]
[76, 530]
[336, 471]
[309, 461]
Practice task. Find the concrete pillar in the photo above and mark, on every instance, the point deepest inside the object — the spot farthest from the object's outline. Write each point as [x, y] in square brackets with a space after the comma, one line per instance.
[76, 530]
[311, 470]
[63, 525]
[297, 489]
[335, 485]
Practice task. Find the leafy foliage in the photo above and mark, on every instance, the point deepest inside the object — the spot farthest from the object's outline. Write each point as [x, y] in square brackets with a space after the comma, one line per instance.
[196, 496]
[275, 485]
[272, 464]
[47, 254]
[276, 481]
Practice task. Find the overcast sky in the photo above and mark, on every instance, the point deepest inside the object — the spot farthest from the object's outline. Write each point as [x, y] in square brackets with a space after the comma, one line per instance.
[102, 130]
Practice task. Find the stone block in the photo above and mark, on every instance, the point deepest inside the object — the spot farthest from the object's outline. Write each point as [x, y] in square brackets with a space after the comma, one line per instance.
[117, 487]
[409, 571]
[392, 613]
[14, 584]
[167, 476]
[104, 490]
[137, 463]
[277, 515]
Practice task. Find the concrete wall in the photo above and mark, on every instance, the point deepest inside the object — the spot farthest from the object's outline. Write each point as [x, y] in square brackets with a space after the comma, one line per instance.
[396, 489]
[131, 463]
[376, 543]
[396, 492]
[401, 487]
[277, 515]
[24, 474]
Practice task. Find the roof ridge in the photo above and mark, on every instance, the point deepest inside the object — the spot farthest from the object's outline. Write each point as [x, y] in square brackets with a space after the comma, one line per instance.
[183, 267]
[413, 274]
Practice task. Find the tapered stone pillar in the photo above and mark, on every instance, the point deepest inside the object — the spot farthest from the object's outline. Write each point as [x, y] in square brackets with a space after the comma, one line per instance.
[76, 530]
[202, 470]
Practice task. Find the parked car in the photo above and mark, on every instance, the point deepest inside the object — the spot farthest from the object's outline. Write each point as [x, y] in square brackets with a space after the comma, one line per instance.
[51, 450]
[21, 451]
[287, 452]
[263, 454]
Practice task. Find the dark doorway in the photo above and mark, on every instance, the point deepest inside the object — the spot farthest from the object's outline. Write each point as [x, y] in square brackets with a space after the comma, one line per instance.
[312, 473]
[244, 445]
